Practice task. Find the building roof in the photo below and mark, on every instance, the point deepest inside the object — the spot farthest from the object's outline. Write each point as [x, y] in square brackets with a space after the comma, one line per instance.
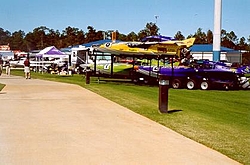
[208, 48]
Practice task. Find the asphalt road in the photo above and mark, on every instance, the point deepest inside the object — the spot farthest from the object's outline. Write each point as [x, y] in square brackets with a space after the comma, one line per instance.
[50, 123]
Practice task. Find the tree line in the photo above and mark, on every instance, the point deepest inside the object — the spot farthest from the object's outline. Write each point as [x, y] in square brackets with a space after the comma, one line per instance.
[43, 36]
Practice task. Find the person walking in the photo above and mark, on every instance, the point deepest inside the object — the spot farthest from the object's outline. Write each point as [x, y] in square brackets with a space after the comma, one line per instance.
[7, 67]
[27, 68]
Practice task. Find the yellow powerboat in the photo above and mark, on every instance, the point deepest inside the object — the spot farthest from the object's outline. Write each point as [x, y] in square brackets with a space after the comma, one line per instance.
[171, 47]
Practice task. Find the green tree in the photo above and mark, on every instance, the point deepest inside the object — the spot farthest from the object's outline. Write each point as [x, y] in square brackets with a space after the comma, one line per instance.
[54, 38]
[99, 35]
[209, 37]
[4, 36]
[246, 45]
[80, 37]
[190, 36]
[179, 36]
[242, 45]
[232, 36]
[228, 39]
[41, 37]
[72, 36]
[132, 36]
[92, 35]
[121, 37]
[151, 29]
[200, 37]
[17, 41]
[38, 39]
[142, 34]
[246, 58]
[31, 41]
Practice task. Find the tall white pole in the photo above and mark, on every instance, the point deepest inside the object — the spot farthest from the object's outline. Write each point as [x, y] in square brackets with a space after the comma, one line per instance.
[217, 30]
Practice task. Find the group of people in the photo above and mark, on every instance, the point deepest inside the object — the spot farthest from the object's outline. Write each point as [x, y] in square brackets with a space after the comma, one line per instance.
[7, 67]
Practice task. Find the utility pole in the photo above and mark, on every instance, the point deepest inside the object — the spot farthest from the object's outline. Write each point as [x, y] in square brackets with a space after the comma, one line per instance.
[217, 30]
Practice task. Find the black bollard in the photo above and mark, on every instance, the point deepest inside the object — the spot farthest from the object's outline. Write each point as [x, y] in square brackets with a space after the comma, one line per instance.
[88, 74]
[163, 93]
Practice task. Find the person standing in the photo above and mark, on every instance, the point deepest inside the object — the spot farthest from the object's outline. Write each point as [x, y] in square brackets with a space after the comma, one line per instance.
[7, 67]
[1, 65]
[27, 68]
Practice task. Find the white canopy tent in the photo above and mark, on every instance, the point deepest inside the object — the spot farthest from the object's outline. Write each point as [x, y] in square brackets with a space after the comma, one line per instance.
[52, 52]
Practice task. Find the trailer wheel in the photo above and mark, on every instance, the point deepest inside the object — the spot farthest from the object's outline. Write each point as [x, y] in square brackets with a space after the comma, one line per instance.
[245, 83]
[176, 83]
[146, 81]
[190, 84]
[135, 80]
[204, 85]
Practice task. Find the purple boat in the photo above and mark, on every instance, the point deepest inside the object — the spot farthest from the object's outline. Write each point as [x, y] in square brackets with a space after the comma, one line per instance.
[198, 74]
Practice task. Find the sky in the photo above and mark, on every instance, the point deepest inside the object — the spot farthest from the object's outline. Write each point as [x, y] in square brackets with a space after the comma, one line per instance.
[125, 15]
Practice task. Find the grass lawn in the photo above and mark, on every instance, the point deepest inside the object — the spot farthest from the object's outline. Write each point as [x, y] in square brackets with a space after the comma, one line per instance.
[217, 119]
[1, 86]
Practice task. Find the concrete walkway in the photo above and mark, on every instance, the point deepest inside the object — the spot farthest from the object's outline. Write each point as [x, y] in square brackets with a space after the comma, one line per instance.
[50, 123]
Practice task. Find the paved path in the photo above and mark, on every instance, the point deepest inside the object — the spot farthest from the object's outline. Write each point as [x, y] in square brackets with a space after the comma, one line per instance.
[50, 123]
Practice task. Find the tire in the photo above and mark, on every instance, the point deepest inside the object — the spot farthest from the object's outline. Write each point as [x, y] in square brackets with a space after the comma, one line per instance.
[190, 84]
[146, 81]
[135, 80]
[176, 84]
[204, 85]
[245, 83]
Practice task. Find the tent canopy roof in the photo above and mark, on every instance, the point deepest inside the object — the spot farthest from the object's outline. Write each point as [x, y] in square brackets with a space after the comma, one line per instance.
[51, 51]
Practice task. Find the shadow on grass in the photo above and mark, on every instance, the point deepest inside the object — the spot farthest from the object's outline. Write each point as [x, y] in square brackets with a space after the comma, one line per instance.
[174, 110]
[171, 111]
